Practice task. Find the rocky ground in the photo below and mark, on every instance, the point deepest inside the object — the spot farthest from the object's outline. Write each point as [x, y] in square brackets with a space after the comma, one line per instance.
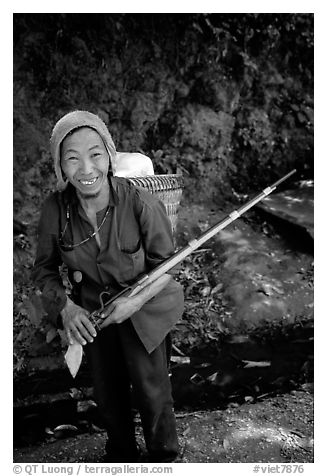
[275, 430]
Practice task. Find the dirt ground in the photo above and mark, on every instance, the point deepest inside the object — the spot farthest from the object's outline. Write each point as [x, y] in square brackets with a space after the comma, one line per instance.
[275, 430]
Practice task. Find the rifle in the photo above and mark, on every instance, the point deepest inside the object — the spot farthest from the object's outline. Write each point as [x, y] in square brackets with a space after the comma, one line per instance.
[73, 356]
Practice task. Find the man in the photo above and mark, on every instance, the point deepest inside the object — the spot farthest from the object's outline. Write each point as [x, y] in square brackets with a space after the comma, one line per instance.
[108, 232]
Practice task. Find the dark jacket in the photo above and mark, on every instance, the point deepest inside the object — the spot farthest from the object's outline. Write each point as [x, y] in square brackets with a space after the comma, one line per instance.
[135, 237]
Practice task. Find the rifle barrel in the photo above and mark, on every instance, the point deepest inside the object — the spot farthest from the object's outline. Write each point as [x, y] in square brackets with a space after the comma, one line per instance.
[180, 255]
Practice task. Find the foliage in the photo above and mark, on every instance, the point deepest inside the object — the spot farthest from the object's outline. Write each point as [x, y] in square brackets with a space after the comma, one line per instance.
[162, 90]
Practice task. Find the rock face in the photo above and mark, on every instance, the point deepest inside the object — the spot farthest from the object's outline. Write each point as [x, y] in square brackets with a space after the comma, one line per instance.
[295, 206]
[203, 129]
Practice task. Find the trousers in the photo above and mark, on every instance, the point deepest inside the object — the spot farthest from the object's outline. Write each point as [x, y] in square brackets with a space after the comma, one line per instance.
[119, 362]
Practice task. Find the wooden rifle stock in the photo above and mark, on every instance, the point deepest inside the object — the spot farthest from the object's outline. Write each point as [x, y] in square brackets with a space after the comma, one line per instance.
[169, 263]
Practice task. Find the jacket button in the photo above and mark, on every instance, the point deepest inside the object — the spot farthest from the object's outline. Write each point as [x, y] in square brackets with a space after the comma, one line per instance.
[77, 276]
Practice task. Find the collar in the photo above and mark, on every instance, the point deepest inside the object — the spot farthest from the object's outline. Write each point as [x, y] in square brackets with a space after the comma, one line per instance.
[113, 194]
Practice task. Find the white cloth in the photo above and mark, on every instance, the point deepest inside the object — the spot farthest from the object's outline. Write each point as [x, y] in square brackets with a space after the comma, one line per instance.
[133, 164]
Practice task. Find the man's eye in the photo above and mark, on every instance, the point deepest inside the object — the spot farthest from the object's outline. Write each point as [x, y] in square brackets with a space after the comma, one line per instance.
[71, 158]
[96, 155]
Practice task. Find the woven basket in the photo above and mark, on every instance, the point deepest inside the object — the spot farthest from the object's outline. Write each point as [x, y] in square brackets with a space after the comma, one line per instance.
[167, 188]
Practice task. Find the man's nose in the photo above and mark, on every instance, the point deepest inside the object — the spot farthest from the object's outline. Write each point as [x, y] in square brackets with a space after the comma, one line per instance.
[86, 166]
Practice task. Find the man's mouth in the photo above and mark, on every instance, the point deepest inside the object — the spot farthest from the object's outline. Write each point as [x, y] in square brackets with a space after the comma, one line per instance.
[88, 182]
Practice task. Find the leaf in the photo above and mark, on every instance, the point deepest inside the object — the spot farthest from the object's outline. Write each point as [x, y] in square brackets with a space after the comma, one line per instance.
[213, 377]
[176, 349]
[301, 117]
[34, 309]
[31, 312]
[250, 364]
[185, 432]
[238, 339]
[51, 334]
[226, 444]
[248, 399]
[63, 431]
[203, 365]
[217, 288]
[180, 360]
[221, 328]
[65, 427]
[206, 291]
[196, 379]
[210, 336]
[85, 405]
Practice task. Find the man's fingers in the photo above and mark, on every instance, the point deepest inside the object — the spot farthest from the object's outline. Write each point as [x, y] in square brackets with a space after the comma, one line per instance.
[79, 331]
[69, 337]
[109, 310]
[78, 336]
[109, 320]
[88, 325]
[78, 327]
[84, 333]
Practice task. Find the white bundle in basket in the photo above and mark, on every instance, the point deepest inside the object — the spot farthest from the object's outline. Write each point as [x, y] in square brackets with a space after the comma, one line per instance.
[133, 164]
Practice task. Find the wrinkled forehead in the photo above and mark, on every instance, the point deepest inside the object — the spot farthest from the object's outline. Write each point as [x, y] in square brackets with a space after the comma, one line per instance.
[81, 137]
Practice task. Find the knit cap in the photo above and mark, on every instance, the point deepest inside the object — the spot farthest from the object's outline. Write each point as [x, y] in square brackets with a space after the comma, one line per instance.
[69, 122]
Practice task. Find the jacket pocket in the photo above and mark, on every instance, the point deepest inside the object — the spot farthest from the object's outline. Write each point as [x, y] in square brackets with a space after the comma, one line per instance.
[132, 261]
[130, 247]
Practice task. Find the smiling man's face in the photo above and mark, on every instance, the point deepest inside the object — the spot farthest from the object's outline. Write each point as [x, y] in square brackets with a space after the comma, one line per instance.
[85, 162]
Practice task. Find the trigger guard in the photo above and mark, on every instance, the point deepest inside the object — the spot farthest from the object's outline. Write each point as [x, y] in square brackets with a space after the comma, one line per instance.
[101, 299]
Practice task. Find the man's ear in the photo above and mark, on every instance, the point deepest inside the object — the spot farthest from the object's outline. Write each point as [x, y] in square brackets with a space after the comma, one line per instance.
[63, 174]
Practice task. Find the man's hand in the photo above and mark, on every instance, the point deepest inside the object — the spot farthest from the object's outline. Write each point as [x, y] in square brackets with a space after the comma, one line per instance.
[124, 307]
[120, 309]
[76, 323]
